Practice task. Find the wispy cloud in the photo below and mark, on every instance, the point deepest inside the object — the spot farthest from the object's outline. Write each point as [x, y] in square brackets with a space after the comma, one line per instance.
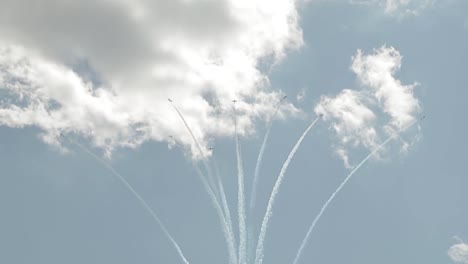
[383, 105]
[104, 69]
[398, 8]
[300, 96]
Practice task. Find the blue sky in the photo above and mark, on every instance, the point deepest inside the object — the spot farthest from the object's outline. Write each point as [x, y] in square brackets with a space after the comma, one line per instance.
[61, 205]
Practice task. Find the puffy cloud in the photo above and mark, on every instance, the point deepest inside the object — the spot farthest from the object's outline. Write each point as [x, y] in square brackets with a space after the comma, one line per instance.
[351, 120]
[458, 253]
[383, 106]
[377, 71]
[104, 69]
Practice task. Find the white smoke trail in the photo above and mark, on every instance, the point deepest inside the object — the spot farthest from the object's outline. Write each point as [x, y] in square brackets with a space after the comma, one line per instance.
[324, 207]
[227, 211]
[205, 163]
[227, 235]
[269, 211]
[240, 200]
[253, 192]
[138, 196]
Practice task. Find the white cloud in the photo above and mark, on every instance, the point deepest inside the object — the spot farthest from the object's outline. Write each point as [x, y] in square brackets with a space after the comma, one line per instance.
[351, 120]
[356, 117]
[458, 253]
[377, 71]
[104, 69]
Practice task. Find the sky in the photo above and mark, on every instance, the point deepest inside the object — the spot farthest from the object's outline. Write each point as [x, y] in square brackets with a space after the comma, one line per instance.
[90, 145]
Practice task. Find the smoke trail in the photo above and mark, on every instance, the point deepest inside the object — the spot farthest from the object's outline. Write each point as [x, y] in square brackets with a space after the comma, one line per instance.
[253, 192]
[269, 211]
[324, 207]
[135, 193]
[227, 234]
[240, 200]
[205, 163]
[227, 212]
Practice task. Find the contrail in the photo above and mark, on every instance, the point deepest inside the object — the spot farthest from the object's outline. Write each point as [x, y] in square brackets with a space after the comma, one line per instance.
[269, 211]
[138, 196]
[327, 203]
[226, 230]
[240, 200]
[227, 212]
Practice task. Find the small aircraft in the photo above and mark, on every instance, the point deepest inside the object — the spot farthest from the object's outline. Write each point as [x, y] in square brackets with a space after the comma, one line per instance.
[169, 99]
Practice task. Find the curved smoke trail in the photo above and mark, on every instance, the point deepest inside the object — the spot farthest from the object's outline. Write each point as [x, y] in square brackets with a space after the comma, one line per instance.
[324, 207]
[269, 211]
[227, 234]
[240, 200]
[205, 163]
[138, 196]
[253, 192]
[227, 211]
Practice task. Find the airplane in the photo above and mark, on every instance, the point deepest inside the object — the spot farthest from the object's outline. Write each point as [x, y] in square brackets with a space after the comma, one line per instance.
[284, 97]
[169, 99]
